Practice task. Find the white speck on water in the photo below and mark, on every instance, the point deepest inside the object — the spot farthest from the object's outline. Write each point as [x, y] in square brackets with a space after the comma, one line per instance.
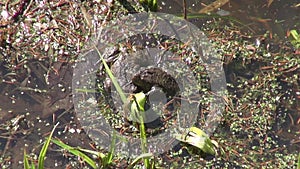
[72, 130]
[4, 14]
[257, 43]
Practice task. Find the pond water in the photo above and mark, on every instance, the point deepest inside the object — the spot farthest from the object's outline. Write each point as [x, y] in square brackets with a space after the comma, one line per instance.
[26, 93]
[261, 16]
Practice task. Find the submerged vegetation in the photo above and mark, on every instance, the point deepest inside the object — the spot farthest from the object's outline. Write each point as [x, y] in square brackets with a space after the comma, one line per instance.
[40, 42]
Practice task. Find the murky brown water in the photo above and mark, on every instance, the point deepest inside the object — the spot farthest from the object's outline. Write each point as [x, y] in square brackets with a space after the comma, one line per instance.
[275, 17]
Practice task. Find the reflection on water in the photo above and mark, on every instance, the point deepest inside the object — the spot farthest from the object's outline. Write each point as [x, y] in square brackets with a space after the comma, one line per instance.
[273, 16]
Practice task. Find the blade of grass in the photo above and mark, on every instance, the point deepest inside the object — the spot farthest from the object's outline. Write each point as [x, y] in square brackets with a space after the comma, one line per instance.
[112, 77]
[112, 148]
[42, 155]
[298, 166]
[124, 100]
[76, 152]
[143, 138]
[109, 158]
[26, 163]
[96, 153]
[295, 34]
[85, 90]
[140, 157]
[137, 108]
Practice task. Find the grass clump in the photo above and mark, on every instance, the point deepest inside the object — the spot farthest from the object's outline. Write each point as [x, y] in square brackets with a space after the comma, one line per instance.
[42, 155]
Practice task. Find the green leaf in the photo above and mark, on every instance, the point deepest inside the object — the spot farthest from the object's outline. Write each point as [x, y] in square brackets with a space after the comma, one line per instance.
[44, 149]
[26, 163]
[96, 153]
[138, 102]
[295, 35]
[143, 138]
[152, 4]
[295, 38]
[298, 165]
[108, 159]
[137, 106]
[112, 77]
[32, 166]
[76, 152]
[197, 138]
[137, 110]
[140, 157]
